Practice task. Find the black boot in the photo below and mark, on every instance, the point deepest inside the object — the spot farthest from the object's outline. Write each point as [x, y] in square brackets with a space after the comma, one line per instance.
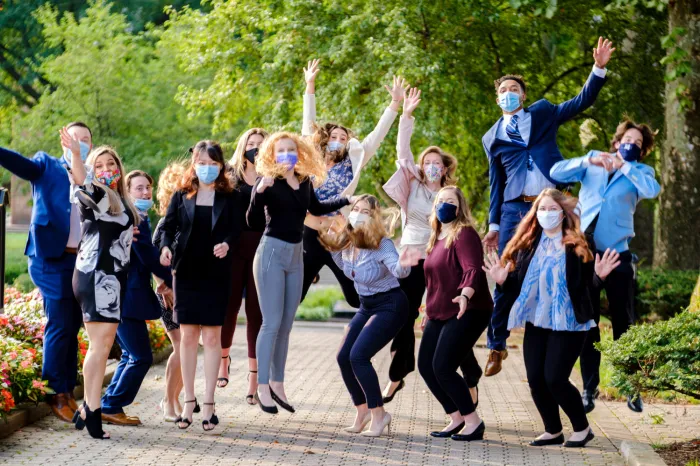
[588, 400]
[93, 422]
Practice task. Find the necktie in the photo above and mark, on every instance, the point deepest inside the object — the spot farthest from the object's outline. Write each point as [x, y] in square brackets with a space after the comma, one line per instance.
[514, 134]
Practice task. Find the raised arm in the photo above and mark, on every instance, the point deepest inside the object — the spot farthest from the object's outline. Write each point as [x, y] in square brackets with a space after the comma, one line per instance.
[403, 140]
[17, 164]
[78, 170]
[310, 73]
[571, 170]
[371, 143]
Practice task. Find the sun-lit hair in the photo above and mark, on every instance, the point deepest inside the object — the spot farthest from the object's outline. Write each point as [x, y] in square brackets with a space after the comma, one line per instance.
[321, 136]
[529, 229]
[381, 224]
[168, 183]
[115, 198]
[310, 164]
[647, 136]
[238, 161]
[464, 219]
[448, 160]
[190, 183]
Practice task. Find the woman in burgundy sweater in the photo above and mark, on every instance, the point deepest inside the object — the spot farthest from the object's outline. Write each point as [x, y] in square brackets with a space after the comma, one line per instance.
[458, 309]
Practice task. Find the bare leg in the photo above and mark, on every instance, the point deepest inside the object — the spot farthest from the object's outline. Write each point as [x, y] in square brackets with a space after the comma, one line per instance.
[188, 359]
[101, 337]
[173, 377]
[211, 337]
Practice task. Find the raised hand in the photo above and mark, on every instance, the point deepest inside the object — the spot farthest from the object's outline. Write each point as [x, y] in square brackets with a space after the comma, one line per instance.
[495, 269]
[166, 257]
[310, 73]
[607, 264]
[411, 100]
[490, 241]
[265, 183]
[409, 257]
[617, 161]
[69, 142]
[220, 250]
[397, 91]
[603, 52]
[604, 160]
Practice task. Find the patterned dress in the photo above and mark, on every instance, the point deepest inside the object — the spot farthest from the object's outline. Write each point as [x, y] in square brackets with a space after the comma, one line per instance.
[339, 178]
[99, 279]
[544, 299]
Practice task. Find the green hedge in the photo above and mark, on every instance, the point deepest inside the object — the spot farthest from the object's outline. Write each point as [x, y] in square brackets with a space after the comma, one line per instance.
[663, 293]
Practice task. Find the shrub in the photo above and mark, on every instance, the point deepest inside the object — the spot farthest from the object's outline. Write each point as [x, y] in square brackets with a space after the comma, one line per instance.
[663, 293]
[23, 283]
[663, 355]
[318, 313]
[318, 304]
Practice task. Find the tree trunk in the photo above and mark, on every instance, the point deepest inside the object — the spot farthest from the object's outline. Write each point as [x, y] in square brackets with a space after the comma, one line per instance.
[677, 239]
[695, 299]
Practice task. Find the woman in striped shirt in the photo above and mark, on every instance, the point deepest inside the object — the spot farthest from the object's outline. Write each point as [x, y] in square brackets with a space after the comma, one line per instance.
[366, 254]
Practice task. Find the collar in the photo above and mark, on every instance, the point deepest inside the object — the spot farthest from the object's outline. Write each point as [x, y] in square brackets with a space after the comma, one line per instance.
[520, 114]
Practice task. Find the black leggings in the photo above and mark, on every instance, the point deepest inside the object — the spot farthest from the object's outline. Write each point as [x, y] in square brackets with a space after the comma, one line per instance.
[549, 359]
[445, 345]
[315, 257]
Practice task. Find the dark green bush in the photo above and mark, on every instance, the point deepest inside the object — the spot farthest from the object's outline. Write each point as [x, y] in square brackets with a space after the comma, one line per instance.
[663, 293]
[659, 356]
[24, 283]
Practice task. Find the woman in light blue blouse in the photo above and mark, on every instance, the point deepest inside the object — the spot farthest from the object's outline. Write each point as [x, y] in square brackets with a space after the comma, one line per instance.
[547, 273]
[365, 253]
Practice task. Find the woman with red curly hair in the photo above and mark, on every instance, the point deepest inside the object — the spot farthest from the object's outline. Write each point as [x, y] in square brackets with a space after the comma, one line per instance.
[547, 273]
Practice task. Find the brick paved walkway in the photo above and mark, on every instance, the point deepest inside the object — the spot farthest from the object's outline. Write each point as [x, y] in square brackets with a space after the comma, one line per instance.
[314, 434]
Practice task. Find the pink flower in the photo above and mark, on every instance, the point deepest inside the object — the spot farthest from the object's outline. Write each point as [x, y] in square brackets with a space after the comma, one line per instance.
[37, 384]
[4, 366]
[26, 363]
[12, 355]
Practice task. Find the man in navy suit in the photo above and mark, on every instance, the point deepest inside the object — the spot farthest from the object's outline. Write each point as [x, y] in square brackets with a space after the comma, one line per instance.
[54, 235]
[521, 148]
[612, 184]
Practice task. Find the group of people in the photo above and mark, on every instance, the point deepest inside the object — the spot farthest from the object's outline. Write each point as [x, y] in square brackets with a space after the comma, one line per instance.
[261, 225]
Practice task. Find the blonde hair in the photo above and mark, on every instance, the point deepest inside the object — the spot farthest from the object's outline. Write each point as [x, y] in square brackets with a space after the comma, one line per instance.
[382, 223]
[448, 160]
[117, 200]
[464, 219]
[309, 165]
[238, 161]
[168, 183]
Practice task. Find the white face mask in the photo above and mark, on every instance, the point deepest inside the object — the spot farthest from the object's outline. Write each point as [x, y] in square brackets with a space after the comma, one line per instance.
[549, 219]
[357, 219]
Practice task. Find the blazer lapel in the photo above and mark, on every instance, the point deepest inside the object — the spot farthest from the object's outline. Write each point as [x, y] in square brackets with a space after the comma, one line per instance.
[189, 206]
[491, 135]
[219, 202]
[617, 175]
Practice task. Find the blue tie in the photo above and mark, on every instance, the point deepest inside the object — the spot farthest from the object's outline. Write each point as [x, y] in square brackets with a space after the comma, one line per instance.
[514, 134]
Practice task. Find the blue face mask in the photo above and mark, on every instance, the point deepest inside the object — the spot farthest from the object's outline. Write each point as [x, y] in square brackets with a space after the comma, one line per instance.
[288, 158]
[509, 101]
[445, 212]
[630, 152]
[143, 204]
[335, 146]
[207, 174]
[84, 151]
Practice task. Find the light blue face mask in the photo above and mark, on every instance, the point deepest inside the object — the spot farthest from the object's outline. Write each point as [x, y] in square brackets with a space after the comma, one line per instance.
[84, 151]
[207, 174]
[143, 204]
[335, 146]
[509, 101]
[287, 158]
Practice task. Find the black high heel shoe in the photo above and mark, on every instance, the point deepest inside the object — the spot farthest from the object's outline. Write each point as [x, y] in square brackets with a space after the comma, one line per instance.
[387, 399]
[478, 434]
[77, 420]
[228, 371]
[280, 402]
[184, 419]
[447, 433]
[268, 409]
[213, 420]
[250, 399]
[93, 422]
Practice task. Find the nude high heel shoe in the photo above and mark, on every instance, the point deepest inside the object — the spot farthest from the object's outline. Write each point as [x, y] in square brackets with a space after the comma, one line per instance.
[376, 433]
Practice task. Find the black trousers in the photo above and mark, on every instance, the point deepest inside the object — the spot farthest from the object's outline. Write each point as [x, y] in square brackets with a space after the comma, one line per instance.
[549, 359]
[620, 289]
[315, 257]
[443, 348]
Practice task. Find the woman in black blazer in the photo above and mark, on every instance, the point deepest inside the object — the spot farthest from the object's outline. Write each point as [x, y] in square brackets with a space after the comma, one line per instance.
[203, 216]
[546, 274]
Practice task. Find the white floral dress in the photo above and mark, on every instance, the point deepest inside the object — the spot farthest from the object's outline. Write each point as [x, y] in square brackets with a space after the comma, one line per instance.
[99, 279]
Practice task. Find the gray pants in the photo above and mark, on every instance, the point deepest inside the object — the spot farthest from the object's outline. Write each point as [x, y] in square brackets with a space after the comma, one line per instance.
[278, 268]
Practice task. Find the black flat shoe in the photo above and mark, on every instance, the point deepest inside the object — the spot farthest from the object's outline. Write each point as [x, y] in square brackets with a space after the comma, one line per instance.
[581, 443]
[268, 409]
[588, 399]
[447, 433]
[558, 440]
[635, 403]
[478, 434]
[280, 402]
[387, 399]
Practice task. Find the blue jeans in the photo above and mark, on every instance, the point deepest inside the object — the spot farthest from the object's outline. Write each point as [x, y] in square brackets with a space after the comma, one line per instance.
[511, 214]
[377, 322]
[54, 279]
[132, 336]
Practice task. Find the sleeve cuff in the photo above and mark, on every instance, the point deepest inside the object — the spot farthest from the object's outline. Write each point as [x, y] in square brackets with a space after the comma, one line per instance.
[600, 72]
[494, 227]
[625, 168]
[586, 162]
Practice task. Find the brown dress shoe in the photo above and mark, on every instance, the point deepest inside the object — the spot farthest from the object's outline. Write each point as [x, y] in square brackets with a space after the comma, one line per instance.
[60, 407]
[493, 366]
[71, 402]
[121, 419]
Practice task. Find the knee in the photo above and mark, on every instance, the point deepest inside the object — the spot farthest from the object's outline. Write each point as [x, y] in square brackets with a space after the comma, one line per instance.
[441, 371]
[343, 357]
[189, 338]
[211, 339]
[425, 367]
[555, 382]
[536, 382]
[358, 358]
[142, 359]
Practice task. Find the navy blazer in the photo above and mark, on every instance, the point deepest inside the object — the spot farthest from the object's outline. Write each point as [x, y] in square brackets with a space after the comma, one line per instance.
[50, 224]
[140, 300]
[508, 161]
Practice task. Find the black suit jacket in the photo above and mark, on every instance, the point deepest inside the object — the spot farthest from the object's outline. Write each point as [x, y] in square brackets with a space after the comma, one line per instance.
[581, 281]
[180, 215]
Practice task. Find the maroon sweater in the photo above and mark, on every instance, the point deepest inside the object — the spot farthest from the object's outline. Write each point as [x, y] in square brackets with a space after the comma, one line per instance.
[447, 271]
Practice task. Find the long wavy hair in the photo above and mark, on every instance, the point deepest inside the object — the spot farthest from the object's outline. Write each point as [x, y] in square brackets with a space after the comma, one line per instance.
[529, 229]
[464, 219]
[117, 200]
[310, 164]
[321, 137]
[448, 160]
[190, 183]
[168, 183]
[238, 161]
[382, 224]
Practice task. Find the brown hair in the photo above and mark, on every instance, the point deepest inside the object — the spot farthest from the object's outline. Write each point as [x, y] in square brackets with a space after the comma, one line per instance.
[382, 224]
[79, 124]
[529, 229]
[626, 125]
[514, 77]
[168, 183]
[448, 160]
[309, 164]
[464, 219]
[321, 136]
[238, 161]
[119, 199]
[190, 182]
[135, 174]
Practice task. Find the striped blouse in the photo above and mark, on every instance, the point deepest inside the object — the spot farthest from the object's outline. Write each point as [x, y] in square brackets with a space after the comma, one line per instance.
[373, 270]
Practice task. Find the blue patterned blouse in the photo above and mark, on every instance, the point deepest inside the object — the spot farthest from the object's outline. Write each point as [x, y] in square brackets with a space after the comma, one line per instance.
[339, 178]
[544, 299]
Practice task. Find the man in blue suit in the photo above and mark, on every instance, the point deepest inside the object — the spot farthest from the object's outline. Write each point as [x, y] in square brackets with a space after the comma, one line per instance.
[521, 148]
[54, 235]
[612, 184]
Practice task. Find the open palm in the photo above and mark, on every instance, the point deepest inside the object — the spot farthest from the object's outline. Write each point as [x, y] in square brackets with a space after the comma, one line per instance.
[397, 89]
[603, 52]
[411, 100]
[495, 269]
[606, 264]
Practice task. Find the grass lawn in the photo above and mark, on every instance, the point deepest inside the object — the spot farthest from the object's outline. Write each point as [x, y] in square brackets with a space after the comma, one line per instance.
[15, 260]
